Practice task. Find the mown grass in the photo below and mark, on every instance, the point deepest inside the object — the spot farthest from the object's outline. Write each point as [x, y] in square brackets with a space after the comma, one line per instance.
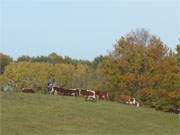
[35, 114]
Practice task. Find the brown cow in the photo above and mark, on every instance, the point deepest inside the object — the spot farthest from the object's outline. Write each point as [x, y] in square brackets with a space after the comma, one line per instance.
[64, 92]
[89, 95]
[27, 90]
[84, 93]
[128, 100]
[102, 95]
[73, 92]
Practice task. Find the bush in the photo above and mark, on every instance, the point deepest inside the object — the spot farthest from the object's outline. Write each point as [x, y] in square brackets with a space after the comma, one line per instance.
[160, 99]
[148, 97]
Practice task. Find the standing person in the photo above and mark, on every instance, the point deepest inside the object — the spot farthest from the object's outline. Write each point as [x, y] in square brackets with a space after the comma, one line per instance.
[50, 85]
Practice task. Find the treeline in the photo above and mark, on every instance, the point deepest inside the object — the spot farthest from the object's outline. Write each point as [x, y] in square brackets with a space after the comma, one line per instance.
[52, 58]
[35, 72]
[140, 65]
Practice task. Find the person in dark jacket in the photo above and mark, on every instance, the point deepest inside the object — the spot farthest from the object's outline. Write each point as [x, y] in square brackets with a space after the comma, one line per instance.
[50, 85]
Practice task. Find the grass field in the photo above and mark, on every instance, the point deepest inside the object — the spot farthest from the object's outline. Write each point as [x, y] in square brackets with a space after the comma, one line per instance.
[26, 114]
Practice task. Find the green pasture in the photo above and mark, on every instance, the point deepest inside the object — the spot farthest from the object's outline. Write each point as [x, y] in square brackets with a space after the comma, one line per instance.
[37, 114]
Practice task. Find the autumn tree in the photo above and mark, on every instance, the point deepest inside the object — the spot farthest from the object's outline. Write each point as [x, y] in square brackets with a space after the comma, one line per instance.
[63, 74]
[140, 61]
[27, 74]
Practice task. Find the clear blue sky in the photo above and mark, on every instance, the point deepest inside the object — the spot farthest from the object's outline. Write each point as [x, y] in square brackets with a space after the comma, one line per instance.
[82, 29]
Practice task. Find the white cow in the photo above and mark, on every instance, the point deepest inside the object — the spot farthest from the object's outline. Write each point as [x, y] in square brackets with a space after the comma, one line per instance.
[132, 101]
[91, 96]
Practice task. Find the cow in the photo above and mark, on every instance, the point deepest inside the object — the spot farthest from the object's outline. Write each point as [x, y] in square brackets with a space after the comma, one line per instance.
[128, 100]
[27, 90]
[174, 110]
[82, 92]
[64, 92]
[57, 91]
[102, 95]
[73, 92]
[90, 96]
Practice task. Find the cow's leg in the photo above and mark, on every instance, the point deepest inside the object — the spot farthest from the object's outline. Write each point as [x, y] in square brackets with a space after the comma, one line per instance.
[103, 97]
[107, 98]
[92, 98]
[137, 104]
[55, 93]
[97, 97]
[86, 98]
[73, 94]
[52, 91]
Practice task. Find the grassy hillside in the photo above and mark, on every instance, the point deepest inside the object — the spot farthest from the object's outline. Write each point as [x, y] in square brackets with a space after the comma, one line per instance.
[26, 114]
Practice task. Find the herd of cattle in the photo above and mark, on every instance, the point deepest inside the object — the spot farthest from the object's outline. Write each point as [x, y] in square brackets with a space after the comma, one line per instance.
[89, 95]
[92, 95]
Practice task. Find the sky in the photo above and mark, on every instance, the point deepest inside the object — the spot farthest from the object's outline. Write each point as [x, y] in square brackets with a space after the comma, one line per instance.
[82, 29]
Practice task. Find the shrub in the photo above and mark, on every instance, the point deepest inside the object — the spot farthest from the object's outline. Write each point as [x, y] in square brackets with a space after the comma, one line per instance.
[148, 97]
[160, 99]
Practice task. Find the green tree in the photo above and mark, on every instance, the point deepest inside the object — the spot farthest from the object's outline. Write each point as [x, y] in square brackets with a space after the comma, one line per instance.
[24, 58]
[55, 59]
[27, 74]
[178, 53]
[97, 61]
[4, 61]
